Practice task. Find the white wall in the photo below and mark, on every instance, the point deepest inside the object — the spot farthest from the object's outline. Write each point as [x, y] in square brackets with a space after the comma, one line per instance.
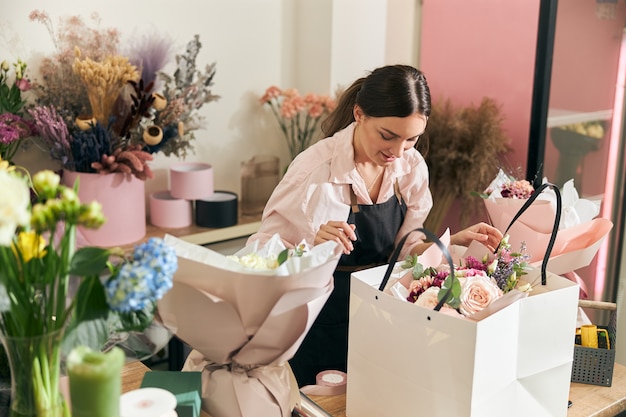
[313, 45]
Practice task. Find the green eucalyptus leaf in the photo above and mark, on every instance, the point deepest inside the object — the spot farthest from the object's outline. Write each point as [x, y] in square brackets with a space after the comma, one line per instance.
[418, 271]
[283, 256]
[409, 262]
[453, 297]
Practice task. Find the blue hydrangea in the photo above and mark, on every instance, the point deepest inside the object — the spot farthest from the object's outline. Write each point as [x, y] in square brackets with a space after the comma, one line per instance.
[143, 280]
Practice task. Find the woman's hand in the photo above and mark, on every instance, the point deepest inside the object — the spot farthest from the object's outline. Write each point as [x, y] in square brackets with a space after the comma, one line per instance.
[340, 232]
[481, 232]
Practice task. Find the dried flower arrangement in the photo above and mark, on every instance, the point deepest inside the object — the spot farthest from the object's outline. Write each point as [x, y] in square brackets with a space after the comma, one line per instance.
[98, 110]
[463, 148]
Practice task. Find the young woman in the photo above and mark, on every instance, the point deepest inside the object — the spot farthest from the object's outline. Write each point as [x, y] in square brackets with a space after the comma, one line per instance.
[365, 186]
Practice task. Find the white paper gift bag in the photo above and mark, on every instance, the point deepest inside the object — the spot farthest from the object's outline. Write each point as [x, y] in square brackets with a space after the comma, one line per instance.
[407, 360]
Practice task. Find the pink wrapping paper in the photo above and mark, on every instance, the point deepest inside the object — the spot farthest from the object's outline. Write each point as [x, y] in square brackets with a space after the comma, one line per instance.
[575, 246]
[539, 216]
[244, 326]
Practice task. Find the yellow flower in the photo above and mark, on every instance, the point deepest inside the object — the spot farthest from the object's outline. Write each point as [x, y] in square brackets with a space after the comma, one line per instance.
[31, 245]
[4, 165]
[46, 183]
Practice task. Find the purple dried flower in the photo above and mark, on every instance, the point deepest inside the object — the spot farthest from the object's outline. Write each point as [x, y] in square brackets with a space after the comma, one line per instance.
[151, 53]
[13, 128]
[52, 129]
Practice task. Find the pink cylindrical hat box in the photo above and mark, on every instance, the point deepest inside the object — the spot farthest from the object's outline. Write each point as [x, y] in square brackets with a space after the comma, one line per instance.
[191, 180]
[123, 204]
[169, 212]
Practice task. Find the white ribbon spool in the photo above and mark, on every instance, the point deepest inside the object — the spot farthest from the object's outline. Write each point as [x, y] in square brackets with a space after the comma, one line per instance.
[148, 402]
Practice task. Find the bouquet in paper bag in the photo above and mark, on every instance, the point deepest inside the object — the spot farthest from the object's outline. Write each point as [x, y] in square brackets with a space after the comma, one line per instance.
[245, 316]
[480, 278]
[580, 231]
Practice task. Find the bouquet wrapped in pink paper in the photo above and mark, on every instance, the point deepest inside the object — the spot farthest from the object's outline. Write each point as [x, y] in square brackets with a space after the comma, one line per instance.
[245, 316]
[580, 231]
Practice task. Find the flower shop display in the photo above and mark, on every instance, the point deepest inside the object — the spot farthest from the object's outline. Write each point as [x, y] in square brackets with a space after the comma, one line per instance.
[573, 142]
[135, 108]
[13, 127]
[99, 110]
[53, 296]
[298, 116]
[245, 316]
[516, 359]
[581, 232]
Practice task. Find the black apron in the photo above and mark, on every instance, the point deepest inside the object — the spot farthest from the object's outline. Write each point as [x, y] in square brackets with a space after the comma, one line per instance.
[325, 347]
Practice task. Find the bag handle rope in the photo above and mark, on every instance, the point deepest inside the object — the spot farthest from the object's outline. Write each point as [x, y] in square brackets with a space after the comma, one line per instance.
[555, 227]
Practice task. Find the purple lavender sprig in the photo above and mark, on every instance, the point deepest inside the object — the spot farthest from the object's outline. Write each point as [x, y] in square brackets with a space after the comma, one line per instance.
[53, 130]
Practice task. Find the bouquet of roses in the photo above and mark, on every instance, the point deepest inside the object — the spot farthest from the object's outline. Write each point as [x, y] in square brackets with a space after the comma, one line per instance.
[477, 281]
[245, 316]
[580, 230]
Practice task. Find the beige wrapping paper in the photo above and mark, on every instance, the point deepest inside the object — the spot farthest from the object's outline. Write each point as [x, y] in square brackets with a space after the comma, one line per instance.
[244, 325]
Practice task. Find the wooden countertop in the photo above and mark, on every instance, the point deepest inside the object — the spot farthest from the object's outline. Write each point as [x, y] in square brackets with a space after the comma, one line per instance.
[587, 400]
[246, 225]
[596, 401]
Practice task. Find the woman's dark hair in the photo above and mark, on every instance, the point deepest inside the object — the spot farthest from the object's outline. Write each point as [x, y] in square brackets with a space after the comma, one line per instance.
[390, 91]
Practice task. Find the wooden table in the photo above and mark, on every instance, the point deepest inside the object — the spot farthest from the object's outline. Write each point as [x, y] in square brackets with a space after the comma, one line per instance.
[246, 225]
[588, 400]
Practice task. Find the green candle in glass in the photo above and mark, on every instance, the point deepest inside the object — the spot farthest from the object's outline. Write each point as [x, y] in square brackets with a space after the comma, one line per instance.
[95, 381]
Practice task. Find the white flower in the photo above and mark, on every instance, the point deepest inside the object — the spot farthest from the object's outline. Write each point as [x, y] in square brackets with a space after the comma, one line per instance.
[255, 261]
[14, 205]
[428, 299]
[477, 292]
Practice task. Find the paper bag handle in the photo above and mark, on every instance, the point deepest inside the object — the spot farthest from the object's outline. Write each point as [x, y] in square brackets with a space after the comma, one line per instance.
[555, 227]
[396, 254]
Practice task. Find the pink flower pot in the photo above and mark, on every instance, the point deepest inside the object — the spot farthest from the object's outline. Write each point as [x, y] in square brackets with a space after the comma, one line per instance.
[123, 204]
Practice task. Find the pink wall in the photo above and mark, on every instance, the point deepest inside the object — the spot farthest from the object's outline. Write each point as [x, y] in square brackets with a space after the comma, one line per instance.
[483, 48]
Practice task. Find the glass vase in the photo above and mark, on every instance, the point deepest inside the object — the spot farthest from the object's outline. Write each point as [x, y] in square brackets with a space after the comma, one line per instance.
[35, 364]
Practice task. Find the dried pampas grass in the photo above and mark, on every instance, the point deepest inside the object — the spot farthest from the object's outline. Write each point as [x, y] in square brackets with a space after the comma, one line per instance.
[462, 150]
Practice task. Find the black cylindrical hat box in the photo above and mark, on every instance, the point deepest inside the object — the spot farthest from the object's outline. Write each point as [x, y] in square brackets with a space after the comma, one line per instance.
[218, 210]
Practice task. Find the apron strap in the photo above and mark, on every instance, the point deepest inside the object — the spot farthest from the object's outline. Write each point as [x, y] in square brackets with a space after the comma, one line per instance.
[355, 206]
[353, 203]
[396, 190]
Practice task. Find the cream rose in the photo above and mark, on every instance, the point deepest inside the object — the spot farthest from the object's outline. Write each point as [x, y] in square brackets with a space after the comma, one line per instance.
[428, 299]
[13, 205]
[256, 262]
[477, 292]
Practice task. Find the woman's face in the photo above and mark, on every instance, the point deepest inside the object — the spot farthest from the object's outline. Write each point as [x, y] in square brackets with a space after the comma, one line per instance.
[383, 139]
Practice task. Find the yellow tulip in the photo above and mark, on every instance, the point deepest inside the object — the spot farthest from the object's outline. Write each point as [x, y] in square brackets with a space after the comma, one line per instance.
[31, 245]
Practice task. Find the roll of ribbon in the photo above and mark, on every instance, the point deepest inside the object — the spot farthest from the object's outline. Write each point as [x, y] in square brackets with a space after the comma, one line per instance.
[218, 210]
[191, 180]
[169, 212]
[327, 383]
[148, 402]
